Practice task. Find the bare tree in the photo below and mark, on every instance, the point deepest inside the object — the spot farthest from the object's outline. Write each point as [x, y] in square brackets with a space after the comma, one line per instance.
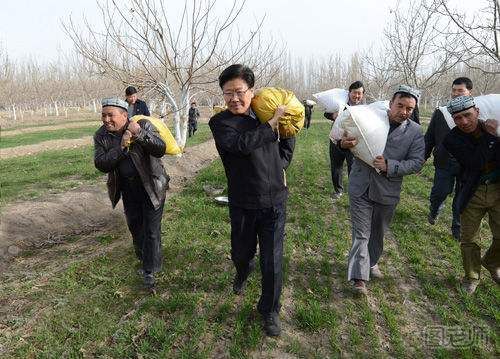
[415, 43]
[173, 55]
[478, 35]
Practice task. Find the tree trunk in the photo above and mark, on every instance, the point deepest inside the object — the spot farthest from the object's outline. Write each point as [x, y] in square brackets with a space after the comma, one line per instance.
[14, 115]
[56, 109]
[95, 107]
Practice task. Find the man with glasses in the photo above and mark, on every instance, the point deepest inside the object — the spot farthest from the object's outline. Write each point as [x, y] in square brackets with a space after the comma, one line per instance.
[255, 159]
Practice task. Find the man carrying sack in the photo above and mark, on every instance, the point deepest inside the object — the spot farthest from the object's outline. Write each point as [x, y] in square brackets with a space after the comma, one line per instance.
[374, 190]
[129, 152]
[477, 149]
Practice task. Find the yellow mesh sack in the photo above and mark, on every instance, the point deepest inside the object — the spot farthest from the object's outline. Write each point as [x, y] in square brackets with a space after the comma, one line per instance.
[218, 109]
[267, 100]
[171, 147]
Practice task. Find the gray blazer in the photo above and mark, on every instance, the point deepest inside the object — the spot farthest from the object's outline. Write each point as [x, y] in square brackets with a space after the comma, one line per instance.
[404, 151]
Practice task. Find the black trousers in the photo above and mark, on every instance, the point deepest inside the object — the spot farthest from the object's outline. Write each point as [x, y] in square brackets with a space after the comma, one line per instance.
[192, 127]
[337, 158]
[144, 223]
[268, 227]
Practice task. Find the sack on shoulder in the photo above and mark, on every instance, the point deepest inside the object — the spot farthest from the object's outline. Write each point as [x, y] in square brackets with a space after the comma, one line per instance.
[171, 147]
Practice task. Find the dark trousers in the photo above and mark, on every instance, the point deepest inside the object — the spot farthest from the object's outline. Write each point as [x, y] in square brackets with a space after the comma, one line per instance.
[268, 226]
[445, 179]
[144, 223]
[307, 121]
[192, 127]
[337, 158]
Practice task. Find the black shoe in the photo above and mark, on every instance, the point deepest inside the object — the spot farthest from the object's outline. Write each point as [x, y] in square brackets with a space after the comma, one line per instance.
[431, 219]
[240, 281]
[272, 325]
[149, 279]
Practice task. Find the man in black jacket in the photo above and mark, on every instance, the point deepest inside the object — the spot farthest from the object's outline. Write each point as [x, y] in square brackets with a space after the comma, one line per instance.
[193, 115]
[130, 153]
[446, 168]
[476, 147]
[255, 159]
[339, 155]
[135, 106]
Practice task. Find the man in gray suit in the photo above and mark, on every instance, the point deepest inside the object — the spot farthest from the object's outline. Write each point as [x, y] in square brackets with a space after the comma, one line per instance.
[374, 191]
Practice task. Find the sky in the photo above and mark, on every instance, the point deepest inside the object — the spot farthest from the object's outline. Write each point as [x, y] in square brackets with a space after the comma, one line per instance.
[32, 28]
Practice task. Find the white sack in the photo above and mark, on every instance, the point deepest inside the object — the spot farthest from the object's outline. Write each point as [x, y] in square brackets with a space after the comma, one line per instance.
[489, 108]
[369, 124]
[332, 100]
[380, 108]
[310, 102]
[447, 117]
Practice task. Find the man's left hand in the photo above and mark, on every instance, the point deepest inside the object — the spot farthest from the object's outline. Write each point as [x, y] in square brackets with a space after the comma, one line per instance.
[380, 164]
[134, 128]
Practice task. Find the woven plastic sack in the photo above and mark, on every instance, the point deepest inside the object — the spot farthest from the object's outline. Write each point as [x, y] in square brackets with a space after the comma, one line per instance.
[489, 108]
[171, 147]
[267, 100]
[217, 109]
[333, 100]
[369, 124]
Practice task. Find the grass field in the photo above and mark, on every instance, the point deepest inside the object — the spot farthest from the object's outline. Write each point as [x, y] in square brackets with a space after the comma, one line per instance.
[58, 170]
[94, 307]
[37, 137]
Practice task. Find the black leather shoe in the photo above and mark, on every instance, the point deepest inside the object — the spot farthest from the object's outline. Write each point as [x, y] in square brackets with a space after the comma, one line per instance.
[240, 281]
[149, 279]
[272, 325]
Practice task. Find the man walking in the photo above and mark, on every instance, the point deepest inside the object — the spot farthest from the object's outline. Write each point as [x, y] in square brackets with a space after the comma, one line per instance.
[446, 168]
[374, 191]
[193, 115]
[476, 147]
[337, 154]
[130, 153]
[255, 159]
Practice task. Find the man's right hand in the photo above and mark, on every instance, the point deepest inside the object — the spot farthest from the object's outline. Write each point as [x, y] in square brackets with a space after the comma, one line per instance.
[273, 122]
[126, 138]
[348, 141]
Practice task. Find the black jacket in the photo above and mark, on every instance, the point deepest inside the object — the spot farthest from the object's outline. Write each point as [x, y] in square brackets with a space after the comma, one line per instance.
[253, 158]
[434, 136]
[145, 152]
[193, 114]
[140, 108]
[472, 153]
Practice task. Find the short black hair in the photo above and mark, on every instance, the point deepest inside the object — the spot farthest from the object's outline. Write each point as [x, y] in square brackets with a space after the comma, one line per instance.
[463, 81]
[130, 90]
[237, 71]
[356, 85]
[404, 95]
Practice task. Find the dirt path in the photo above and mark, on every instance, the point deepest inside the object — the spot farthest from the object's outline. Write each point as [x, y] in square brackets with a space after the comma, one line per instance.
[27, 150]
[85, 210]
[8, 133]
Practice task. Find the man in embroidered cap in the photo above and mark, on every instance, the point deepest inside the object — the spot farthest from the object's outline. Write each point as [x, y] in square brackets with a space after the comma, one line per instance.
[130, 153]
[374, 191]
[476, 147]
[446, 168]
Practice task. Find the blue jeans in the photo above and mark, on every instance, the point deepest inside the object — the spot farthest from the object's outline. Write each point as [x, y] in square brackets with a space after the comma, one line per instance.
[445, 180]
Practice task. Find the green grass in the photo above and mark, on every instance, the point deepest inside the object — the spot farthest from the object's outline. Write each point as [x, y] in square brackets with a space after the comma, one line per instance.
[95, 307]
[37, 137]
[29, 176]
